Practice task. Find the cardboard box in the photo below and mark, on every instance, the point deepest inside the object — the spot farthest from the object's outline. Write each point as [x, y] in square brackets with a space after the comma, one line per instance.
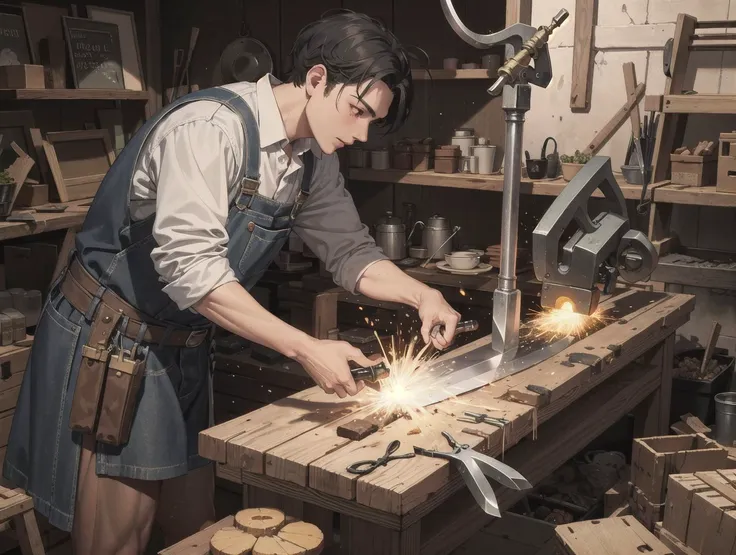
[644, 510]
[653, 459]
[694, 171]
[612, 536]
[22, 77]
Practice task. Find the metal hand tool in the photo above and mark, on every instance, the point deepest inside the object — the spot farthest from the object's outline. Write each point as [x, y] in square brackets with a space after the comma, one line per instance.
[366, 467]
[478, 418]
[473, 467]
[380, 371]
[462, 327]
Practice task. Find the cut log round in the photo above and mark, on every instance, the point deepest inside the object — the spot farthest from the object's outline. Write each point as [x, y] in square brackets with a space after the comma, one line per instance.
[273, 545]
[232, 541]
[305, 535]
[260, 522]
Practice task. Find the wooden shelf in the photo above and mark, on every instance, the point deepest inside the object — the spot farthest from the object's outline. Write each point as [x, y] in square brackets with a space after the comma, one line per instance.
[699, 104]
[72, 94]
[443, 74]
[697, 196]
[695, 271]
[548, 187]
[46, 221]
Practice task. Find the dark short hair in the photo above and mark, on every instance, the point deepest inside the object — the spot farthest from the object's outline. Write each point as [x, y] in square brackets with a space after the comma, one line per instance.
[355, 48]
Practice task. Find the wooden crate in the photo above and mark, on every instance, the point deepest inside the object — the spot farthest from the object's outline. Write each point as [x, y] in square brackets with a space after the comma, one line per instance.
[645, 511]
[612, 536]
[701, 511]
[653, 459]
[694, 171]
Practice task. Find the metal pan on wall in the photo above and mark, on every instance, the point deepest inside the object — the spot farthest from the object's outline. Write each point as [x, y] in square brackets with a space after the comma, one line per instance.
[245, 59]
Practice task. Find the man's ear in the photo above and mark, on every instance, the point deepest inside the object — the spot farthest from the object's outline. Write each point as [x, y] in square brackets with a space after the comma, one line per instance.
[316, 78]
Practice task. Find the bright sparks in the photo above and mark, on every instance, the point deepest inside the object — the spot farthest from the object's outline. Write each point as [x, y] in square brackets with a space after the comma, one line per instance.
[402, 391]
[562, 322]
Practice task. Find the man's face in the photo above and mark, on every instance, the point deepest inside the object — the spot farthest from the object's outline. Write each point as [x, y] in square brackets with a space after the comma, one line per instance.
[340, 118]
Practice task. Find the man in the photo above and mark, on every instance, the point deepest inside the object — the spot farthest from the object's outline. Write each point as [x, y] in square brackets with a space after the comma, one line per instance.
[191, 214]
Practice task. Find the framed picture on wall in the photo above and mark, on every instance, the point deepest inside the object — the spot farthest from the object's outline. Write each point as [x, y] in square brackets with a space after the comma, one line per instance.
[13, 40]
[129, 49]
[94, 51]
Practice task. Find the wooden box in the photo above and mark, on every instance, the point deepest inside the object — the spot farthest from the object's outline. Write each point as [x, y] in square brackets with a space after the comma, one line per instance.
[612, 536]
[22, 77]
[694, 171]
[645, 511]
[726, 163]
[702, 510]
[653, 459]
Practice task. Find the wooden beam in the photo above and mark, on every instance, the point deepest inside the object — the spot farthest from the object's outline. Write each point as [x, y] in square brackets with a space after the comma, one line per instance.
[518, 11]
[616, 121]
[582, 55]
[630, 84]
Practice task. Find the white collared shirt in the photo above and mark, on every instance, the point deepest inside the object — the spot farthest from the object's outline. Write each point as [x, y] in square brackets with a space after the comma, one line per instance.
[187, 174]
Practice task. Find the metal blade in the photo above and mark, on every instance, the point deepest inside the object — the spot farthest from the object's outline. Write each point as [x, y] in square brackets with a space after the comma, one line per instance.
[501, 472]
[482, 366]
[479, 487]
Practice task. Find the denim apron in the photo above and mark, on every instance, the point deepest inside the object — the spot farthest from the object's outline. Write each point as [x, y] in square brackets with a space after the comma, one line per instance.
[174, 401]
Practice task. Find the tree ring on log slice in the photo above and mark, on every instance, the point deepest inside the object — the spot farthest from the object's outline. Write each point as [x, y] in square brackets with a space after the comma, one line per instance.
[305, 535]
[274, 545]
[232, 541]
[260, 522]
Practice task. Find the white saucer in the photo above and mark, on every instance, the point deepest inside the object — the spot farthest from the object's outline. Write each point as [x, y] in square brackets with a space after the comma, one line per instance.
[481, 268]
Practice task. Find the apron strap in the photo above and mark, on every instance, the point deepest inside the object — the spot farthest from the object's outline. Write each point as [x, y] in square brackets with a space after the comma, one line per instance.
[301, 197]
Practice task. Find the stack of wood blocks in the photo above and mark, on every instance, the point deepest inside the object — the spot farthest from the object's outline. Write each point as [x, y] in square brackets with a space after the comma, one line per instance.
[257, 531]
[609, 536]
[696, 167]
[700, 514]
[654, 459]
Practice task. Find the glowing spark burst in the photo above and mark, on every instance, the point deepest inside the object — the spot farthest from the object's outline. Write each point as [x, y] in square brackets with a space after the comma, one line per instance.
[561, 322]
[402, 391]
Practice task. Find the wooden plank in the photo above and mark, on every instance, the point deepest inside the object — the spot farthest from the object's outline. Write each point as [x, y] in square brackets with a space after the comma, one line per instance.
[688, 270]
[653, 102]
[518, 11]
[582, 56]
[698, 196]
[665, 390]
[615, 122]
[199, 543]
[72, 94]
[609, 536]
[153, 57]
[44, 222]
[557, 441]
[14, 505]
[28, 535]
[630, 84]
[633, 335]
[493, 183]
[677, 547]
[283, 420]
[699, 104]
[671, 129]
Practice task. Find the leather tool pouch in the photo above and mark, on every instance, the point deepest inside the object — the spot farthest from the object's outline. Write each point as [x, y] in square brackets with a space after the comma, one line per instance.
[119, 398]
[91, 378]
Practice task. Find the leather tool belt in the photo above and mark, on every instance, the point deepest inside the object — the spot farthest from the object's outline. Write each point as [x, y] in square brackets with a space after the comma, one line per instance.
[109, 376]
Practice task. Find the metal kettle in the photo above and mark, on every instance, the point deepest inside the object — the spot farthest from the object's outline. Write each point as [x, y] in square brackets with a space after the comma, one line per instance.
[391, 236]
[438, 235]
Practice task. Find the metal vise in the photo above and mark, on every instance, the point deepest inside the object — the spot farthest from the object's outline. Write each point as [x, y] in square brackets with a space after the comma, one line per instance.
[570, 261]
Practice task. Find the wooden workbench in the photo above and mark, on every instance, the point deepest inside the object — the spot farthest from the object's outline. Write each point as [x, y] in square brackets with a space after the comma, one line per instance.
[287, 454]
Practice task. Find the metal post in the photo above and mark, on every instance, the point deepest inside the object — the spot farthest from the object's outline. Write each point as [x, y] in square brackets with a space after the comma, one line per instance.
[506, 297]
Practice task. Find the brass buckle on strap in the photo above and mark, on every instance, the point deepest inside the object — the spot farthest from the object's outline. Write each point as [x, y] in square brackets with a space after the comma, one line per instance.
[99, 353]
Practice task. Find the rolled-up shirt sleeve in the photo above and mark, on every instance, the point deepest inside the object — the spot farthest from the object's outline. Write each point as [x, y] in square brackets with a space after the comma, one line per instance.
[330, 226]
[196, 163]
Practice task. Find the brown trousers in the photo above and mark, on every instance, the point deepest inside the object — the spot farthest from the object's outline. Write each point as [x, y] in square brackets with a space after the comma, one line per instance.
[115, 516]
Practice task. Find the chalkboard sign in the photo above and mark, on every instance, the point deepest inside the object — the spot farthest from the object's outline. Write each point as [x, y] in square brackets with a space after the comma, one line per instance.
[13, 44]
[94, 50]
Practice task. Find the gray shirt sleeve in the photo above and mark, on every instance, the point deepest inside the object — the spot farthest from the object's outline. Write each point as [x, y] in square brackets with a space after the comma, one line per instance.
[330, 226]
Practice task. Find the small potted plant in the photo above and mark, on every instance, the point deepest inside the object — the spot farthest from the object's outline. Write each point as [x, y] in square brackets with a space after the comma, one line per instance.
[571, 164]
